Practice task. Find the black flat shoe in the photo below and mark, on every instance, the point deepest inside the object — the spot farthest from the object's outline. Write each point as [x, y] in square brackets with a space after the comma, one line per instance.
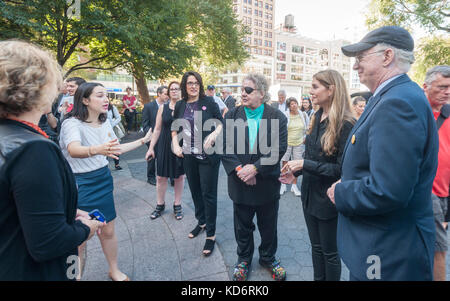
[209, 246]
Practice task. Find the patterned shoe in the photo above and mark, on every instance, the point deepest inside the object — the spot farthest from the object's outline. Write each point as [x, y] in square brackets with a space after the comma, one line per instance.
[241, 271]
[278, 272]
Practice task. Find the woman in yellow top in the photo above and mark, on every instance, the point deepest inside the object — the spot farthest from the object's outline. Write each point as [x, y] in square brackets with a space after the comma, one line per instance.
[298, 122]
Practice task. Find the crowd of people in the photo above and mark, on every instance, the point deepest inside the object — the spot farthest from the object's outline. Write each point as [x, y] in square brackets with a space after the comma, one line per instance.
[375, 173]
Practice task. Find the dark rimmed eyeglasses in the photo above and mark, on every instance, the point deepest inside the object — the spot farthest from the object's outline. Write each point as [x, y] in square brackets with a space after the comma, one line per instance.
[248, 90]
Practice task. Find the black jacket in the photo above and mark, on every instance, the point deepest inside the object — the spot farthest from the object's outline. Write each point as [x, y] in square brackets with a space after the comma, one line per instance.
[38, 203]
[267, 188]
[149, 114]
[210, 110]
[321, 171]
[230, 102]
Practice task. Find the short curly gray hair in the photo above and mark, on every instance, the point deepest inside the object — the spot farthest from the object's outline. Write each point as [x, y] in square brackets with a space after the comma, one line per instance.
[27, 75]
[261, 84]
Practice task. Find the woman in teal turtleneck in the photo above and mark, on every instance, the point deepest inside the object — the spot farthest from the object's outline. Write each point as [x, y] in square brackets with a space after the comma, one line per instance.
[252, 180]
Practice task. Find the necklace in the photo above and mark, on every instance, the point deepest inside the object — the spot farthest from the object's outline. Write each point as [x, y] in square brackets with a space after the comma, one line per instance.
[32, 125]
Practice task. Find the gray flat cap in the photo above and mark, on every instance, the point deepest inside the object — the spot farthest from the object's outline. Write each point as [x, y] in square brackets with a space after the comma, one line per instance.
[392, 35]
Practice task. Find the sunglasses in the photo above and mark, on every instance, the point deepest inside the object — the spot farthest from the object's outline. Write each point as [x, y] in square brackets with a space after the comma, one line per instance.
[248, 90]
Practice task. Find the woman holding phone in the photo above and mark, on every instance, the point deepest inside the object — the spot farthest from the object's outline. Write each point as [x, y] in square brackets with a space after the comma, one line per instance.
[86, 140]
[321, 167]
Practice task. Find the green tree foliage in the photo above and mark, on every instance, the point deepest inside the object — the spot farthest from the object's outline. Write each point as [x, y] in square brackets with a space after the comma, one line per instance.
[431, 15]
[432, 51]
[150, 38]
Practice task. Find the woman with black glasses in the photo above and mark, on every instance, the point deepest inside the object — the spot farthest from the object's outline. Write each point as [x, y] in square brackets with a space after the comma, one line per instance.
[168, 165]
[200, 165]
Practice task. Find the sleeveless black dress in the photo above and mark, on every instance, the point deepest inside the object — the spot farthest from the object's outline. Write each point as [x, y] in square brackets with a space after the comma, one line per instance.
[167, 164]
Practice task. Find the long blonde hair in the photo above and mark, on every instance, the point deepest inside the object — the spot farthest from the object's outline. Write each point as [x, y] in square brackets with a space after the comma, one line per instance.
[340, 109]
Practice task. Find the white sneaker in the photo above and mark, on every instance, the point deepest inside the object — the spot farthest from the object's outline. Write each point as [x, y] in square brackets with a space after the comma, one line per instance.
[282, 189]
[295, 190]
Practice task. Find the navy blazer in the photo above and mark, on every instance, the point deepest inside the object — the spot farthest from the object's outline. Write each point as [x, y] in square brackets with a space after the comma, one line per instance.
[267, 188]
[384, 200]
[149, 114]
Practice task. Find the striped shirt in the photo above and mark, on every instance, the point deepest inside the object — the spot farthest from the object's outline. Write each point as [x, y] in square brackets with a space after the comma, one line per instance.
[75, 130]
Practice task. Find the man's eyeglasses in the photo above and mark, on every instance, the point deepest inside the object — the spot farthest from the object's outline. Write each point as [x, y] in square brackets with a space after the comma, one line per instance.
[248, 90]
[174, 89]
[191, 84]
[359, 58]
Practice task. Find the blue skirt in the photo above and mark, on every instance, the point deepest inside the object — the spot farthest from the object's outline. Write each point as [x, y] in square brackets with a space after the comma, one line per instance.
[95, 191]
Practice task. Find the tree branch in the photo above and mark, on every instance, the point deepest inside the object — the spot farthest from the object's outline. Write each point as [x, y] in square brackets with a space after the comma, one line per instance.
[92, 60]
[92, 67]
[71, 49]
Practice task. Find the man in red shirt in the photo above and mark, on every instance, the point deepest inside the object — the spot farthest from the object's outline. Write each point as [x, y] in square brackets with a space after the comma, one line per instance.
[437, 90]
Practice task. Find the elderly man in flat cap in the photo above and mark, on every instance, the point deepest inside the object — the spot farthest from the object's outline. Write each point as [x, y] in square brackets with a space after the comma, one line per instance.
[385, 226]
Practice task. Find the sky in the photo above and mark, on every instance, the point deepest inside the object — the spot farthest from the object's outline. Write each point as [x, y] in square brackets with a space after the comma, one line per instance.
[325, 19]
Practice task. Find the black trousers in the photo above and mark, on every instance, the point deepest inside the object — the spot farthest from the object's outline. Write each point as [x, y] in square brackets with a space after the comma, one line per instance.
[325, 257]
[151, 167]
[202, 177]
[267, 219]
[130, 118]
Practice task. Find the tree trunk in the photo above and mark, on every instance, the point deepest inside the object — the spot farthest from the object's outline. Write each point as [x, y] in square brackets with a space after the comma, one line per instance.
[141, 85]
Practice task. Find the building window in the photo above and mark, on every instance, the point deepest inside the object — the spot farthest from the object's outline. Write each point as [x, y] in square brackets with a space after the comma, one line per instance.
[296, 69]
[256, 12]
[250, 2]
[311, 51]
[281, 76]
[281, 67]
[270, 25]
[260, 23]
[270, 34]
[296, 77]
[281, 46]
[298, 49]
[266, 25]
[281, 56]
[256, 2]
[297, 59]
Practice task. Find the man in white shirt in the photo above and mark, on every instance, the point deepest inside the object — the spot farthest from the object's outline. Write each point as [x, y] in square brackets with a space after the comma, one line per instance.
[281, 104]
[211, 91]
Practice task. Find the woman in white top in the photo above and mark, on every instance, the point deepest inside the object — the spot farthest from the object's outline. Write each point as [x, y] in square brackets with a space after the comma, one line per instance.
[114, 119]
[86, 140]
[298, 122]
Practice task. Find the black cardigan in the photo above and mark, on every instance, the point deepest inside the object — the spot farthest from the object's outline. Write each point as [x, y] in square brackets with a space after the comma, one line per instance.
[38, 203]
[321, 171]
[210, 110]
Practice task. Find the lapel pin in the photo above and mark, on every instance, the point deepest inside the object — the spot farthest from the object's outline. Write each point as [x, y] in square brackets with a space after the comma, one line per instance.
[353, 139]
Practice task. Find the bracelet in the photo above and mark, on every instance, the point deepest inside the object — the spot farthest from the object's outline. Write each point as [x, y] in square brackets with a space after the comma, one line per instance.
[89, 151]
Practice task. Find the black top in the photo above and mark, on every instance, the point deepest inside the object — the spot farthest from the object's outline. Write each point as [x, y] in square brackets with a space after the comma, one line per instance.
[38, 200]
[210, 118]
[168, 164]
[321, 171]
